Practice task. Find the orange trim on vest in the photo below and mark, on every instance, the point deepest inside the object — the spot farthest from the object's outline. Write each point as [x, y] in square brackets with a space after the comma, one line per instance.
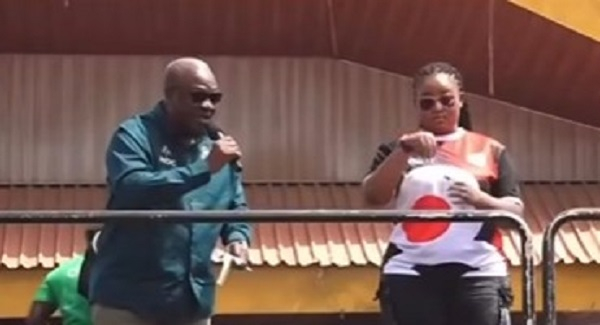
[473, 152]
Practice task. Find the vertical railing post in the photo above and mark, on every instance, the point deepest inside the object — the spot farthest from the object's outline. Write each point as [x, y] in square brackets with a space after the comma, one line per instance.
[548, 256]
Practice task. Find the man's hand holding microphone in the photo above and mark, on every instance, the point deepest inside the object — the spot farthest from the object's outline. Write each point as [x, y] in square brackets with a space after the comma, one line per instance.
[225, 150]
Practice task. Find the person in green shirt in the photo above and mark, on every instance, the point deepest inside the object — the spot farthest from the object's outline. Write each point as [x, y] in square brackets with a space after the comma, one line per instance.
[59, 291]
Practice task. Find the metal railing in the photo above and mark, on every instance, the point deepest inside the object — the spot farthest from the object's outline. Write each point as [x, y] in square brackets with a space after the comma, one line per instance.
[548, 270]
[307, 216]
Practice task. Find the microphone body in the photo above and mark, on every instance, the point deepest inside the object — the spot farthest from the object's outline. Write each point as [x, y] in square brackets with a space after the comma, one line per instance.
[216, 133]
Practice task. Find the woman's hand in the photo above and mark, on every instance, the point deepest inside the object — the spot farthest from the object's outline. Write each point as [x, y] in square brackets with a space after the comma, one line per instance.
[470, 195]
[423, 144]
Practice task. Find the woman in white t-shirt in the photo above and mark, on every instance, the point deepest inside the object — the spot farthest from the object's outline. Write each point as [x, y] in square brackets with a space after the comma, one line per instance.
[444, 273]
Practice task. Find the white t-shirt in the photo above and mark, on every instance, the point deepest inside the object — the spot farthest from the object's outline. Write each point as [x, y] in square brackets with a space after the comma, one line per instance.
[425, 187]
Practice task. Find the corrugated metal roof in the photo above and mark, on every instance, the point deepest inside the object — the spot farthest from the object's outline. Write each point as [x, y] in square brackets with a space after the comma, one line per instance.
[548, 67]
[283, 111]
[295, 244]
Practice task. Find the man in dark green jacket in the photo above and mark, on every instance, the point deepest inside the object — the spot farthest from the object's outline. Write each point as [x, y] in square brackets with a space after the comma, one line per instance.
[149, 272]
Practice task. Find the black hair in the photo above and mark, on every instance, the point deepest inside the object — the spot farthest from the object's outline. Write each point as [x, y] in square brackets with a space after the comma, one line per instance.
[430, 69]
[464, 117]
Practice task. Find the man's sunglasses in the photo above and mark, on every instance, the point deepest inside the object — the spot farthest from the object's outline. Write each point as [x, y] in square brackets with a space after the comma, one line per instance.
[199, 97]
[429, 103]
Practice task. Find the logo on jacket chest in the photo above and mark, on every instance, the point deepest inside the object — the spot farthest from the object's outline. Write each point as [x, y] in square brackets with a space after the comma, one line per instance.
[166, 157]
[204, 151]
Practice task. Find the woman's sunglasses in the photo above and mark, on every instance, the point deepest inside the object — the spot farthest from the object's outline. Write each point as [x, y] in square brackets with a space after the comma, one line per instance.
[429, 103]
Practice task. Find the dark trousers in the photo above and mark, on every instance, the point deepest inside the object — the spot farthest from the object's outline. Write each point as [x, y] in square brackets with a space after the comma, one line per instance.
[423, 300]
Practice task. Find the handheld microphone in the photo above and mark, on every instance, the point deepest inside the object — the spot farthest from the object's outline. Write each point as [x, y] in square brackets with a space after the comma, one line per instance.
[215, 133]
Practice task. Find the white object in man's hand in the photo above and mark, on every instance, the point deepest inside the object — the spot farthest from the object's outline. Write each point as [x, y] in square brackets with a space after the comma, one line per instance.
[230, 258]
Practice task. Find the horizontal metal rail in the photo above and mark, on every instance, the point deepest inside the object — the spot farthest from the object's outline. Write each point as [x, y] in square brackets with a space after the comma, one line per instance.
[290, 216]
[548, 270]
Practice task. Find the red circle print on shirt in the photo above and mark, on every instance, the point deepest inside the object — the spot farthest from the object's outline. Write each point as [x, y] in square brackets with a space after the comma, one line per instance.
[420, 232]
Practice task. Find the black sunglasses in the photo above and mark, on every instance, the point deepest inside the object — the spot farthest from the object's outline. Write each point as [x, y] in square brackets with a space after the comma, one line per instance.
[199, 97]
[429, 103]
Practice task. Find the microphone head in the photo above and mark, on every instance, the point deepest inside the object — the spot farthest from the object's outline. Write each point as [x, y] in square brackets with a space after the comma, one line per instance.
[213, 132]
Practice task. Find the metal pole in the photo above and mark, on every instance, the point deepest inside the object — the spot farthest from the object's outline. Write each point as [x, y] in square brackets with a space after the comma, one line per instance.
[528, 285]
[548, 270]
[205, 216]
